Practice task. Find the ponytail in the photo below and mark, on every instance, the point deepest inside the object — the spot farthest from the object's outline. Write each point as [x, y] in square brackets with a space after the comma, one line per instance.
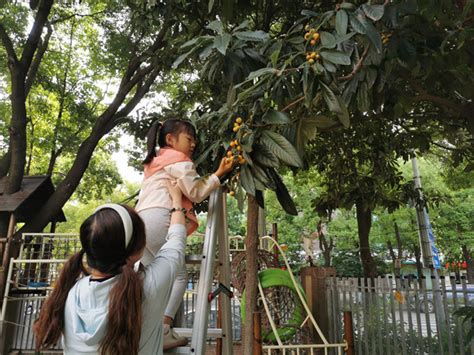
[125, 314]
[151, 138]
[50, 324]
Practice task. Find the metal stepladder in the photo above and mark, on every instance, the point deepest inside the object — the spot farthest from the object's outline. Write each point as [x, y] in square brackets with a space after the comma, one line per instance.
[216, 233]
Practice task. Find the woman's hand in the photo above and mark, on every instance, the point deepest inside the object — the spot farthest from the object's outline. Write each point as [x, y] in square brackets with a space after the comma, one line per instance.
[224, 167]
[175, 194]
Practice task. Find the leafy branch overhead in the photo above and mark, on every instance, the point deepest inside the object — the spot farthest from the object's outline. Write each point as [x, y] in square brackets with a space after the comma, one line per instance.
[283, 86]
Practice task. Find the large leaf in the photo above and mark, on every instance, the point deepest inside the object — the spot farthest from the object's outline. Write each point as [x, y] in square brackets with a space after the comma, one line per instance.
[222, 42]
[336, 40]
[260, 72]
[356, 25]
[374, 12]
[275, 117]
[335, 104]
[341, 22]
[246, 180]
[194, 41]
[370, 31]
[328, 40]
[255, 36]
[216, 26]
[336, 57]
[282, 193]
[265, 157]
[281, 148]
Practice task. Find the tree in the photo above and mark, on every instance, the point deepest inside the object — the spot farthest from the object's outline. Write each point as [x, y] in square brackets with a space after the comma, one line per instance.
[135, 53]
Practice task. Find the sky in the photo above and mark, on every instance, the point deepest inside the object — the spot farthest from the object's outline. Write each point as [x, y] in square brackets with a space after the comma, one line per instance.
[121, 159]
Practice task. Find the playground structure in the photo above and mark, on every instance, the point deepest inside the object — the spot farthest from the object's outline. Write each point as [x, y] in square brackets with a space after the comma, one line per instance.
[31, 276]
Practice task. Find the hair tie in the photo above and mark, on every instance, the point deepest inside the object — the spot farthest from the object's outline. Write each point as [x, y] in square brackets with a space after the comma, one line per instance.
[124, 215]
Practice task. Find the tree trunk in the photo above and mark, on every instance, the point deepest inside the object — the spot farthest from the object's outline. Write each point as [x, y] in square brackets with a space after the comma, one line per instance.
[419, 266]
[396, 269]
[251, 279]
[468, 258]
[17, 131]
[364, 223]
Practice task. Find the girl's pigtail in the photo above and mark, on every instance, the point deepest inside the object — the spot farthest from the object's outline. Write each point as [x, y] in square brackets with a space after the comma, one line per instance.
[151, 142]
[50, 323]
[125, 314]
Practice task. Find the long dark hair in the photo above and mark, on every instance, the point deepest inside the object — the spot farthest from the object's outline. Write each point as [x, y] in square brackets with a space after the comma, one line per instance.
[103, 242]
[158, 132]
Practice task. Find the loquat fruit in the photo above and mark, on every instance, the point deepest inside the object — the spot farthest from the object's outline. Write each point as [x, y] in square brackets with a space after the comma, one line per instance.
[312, 42]
[238, 120]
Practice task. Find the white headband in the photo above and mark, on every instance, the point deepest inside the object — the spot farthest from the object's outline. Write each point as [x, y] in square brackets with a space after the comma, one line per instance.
[126, 219]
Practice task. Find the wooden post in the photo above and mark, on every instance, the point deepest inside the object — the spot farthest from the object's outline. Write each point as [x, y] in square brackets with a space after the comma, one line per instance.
[219, 325]
[275, 236]
[313, 280]
[251, 279]
[257, 333]
[349, 333]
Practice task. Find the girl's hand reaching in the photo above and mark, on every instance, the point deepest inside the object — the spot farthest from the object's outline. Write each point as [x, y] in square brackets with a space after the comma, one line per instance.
[224, 167]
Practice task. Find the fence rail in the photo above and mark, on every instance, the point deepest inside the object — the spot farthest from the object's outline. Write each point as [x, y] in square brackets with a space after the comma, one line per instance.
[394, 315]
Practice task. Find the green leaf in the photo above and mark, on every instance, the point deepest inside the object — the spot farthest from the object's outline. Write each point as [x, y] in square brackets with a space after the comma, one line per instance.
[336, 57]
[265, 157]
[255, 36]
[216, 26]
[281, 148]
[374, 12]
[260, 72]
[327, 40]
[341, 22]
[210, 6]
[347, 6]
[246, 180]
[276, 53]
[363, 98]
[222, 42]
[370, 31]
[206, 52]
[244, 24]
[356, 25]
[182, 57]
[329, 67]
[276, 117]
[335, 104]
[282, 193]
[194, 41]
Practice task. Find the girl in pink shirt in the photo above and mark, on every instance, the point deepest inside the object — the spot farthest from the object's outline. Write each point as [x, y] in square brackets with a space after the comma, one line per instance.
[176, 140]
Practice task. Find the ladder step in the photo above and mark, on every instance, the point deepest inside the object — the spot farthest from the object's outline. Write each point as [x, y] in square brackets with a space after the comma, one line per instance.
[187, 332]
[196, 259]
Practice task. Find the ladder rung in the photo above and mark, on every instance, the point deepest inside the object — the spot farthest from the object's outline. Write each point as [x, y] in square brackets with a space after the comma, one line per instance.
[197, 259]
[179, 350]
[187, 332]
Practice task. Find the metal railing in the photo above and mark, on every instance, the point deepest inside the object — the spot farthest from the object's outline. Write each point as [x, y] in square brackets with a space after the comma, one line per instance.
[397, 315]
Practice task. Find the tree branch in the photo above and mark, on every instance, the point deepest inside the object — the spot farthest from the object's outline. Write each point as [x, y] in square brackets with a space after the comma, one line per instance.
[291, 104]
[357, 67]
[7, 43]
[30, 78]
[35, 34]
[423, 95]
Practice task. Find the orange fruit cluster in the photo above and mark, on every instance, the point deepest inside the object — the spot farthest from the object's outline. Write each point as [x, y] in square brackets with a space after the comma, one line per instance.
[311, 56]
[385, 37]
[312, 36]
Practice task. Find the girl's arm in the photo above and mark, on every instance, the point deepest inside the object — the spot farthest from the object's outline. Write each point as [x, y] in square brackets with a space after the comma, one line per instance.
[193, 186]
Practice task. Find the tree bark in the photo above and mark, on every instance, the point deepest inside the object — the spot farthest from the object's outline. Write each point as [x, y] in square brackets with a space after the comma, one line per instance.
[469, 259]
[364, 223]
[419, 266]
[251, 279]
